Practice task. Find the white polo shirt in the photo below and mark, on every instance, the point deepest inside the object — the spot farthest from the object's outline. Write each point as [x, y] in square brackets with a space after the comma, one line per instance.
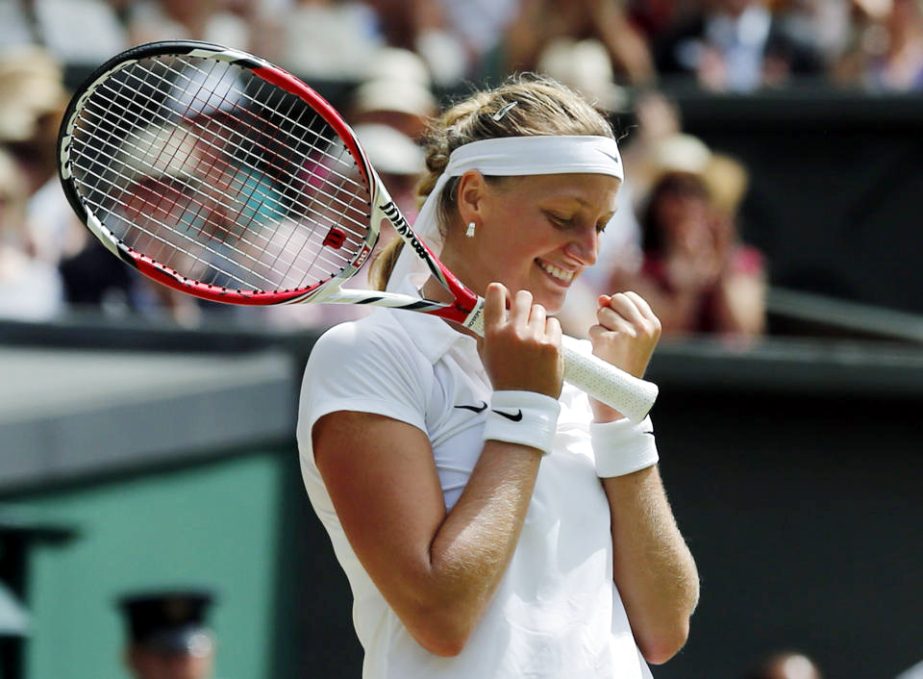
[557, 613]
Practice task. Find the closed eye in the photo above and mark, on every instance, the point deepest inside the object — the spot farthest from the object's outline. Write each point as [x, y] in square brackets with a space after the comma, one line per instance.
[560, 221]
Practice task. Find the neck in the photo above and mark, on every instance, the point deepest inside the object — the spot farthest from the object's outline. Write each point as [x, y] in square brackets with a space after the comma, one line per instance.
[433, 290]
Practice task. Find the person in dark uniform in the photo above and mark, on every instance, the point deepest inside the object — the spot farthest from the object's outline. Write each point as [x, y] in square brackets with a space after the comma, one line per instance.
[168, 636]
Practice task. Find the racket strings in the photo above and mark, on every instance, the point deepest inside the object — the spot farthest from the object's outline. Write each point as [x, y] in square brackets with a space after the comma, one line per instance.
[296, 123]
[232, 133]
[188, 220]
[127, 156]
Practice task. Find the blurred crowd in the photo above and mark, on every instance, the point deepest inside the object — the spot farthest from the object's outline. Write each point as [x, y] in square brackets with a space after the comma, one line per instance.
[676, 236]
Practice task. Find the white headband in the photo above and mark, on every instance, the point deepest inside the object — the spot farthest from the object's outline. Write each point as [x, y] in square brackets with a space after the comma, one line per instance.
[509, 157]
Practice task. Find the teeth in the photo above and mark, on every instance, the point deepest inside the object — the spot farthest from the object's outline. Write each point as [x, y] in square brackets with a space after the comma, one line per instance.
[560, 274]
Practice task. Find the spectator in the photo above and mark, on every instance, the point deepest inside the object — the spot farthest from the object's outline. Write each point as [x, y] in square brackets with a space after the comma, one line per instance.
[887, 51]
[421, 26]
[737, 46]
[15, 28]
[327, 39]
[210, 20]
[100, 33]
[585, 67]
[696, 274]
[656, 118]
[655, 17]
[399, 161]
[32, 102]
[827, 24]
[29, 288]
[397, 92]
[540, 22]
[480, 25]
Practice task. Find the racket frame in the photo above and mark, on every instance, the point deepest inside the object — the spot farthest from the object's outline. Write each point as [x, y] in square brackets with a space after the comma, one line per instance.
[466, 310]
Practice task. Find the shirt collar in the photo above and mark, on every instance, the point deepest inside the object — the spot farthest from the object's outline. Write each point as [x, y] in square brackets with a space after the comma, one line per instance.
[430, 334]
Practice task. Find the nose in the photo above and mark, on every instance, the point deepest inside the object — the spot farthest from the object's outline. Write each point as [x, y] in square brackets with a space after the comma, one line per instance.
[584, 247]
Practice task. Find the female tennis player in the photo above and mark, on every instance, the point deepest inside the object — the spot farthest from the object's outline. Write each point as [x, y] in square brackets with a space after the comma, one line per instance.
[492, 521]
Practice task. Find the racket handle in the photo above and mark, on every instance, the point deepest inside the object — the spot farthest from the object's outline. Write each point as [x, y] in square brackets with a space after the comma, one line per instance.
[631, 396]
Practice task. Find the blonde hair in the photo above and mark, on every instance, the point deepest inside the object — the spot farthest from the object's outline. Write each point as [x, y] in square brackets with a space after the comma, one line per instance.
[524, 105]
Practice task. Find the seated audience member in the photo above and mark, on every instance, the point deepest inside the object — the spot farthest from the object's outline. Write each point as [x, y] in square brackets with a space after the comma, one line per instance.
[325, 39]
[656, 119]
[696, 274]
[396, 91]
[210, 20]
[32, 102]
[99, 34]
[29, 287]
[479, 25]
[540, 22]
[736, 46]
[886, 52]
[15, 28]
[585, 67]
[421, 26]
[825, 24]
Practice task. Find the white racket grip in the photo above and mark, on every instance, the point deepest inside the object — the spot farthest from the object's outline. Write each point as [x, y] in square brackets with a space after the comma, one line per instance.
[631, 396]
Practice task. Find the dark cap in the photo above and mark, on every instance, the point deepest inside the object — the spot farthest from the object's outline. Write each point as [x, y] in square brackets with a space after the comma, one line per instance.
[170, 621]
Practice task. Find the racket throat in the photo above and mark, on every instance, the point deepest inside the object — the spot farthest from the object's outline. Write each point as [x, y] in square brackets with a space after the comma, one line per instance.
[475, 319]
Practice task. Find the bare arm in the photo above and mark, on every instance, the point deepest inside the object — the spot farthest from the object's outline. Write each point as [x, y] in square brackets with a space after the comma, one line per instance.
[653, 568]
[439, 570]
[436, 570]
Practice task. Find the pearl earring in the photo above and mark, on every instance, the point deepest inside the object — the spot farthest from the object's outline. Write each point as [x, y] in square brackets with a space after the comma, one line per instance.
[470, 232]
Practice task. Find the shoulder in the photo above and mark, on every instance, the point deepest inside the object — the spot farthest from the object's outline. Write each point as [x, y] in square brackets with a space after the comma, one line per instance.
[368, 366]
[372, 356]
[378, 334]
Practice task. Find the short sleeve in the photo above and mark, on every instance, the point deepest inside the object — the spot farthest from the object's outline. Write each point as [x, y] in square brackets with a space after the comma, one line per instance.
[367, 368]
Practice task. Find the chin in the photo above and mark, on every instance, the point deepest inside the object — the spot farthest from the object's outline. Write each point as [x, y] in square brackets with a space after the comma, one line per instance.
[553, 303]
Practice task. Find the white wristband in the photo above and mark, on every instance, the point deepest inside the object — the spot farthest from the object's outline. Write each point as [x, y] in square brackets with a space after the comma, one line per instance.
[524, 417]
[622, 447]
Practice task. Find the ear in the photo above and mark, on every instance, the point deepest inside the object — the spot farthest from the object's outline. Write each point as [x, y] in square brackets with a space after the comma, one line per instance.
[472, 190]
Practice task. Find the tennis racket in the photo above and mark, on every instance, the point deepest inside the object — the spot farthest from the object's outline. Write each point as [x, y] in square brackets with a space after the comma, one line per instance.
[220, 175]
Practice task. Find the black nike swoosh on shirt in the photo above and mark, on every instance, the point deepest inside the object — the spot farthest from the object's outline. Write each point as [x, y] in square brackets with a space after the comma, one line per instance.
[515, 417]
[475, 409]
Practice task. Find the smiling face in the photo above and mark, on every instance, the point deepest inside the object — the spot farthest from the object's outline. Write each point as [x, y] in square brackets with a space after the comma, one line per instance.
[534, 233]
